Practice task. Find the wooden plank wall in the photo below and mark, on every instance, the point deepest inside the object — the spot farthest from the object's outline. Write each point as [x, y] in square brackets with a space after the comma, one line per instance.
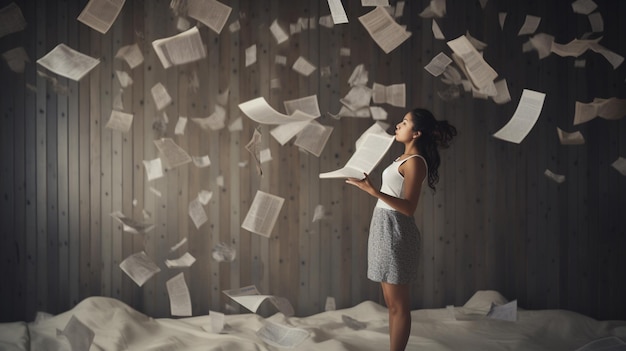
[495, 221]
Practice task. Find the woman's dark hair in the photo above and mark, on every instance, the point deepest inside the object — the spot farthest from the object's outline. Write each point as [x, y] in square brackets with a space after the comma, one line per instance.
[435, 134]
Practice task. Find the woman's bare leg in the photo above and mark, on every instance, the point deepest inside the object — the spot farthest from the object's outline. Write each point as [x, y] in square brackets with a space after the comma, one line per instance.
[399, 304]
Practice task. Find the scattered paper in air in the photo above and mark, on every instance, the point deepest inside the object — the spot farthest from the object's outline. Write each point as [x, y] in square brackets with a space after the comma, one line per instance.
[282, 336]
[254, 148]
[139, 267]
[131, 54]
[555, 177]
[154, 169]
[186, 260]
[201, 161]
[530, 25]
[180, 126]
[12, 19]
[367, 3]
[501, 19]
[313, 137]
[577, 47]
[68, 62]
[222, 252]
[236, 125]
[79, 335]
[197, 213]
[204, 196]
[178, 245]
[303, 67]
[263, 213]
[575, 138]
[250, 55]
[284, 132]
[378, 113]
[124, 78]
[502, 96]
[260, 111]
[216, 121]
[524, 118]
[211, 13]
[171, 153]
[180, 49]
[319, 213]
[160, 96]
[394, 95]
[436, 8]
[326, 21]
[337, 12]
[130, 225]
[178, 292]
[472, 62]
[584, 7]
[100, 14]
[357, 98]
[265, 155]
[438, 64]
[620, 165]
[234, 27]
[120, 121]
[437, 33]
[383, 29]
[596, 22]
[543, 44]
[610, 109]
[366, 157]
[250, 298]
[359, 76]
[16, 59]
[278, 32]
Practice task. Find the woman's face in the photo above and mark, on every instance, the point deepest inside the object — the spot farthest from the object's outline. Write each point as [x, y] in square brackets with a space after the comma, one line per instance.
[404, 129]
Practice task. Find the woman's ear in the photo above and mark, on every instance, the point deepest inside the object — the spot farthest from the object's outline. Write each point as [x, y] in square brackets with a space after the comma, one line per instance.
[417, 134]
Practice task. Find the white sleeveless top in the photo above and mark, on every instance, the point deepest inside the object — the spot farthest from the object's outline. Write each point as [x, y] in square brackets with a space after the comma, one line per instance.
[393, 181]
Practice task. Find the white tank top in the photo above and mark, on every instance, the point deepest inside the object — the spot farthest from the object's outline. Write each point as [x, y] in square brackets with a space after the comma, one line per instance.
[393, 181]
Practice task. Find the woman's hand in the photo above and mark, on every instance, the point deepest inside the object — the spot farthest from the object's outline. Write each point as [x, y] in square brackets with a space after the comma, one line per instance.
[364, 184]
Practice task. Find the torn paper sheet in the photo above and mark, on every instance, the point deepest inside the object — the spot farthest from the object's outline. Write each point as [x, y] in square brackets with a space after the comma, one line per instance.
[383, 29]
[130, 225]
[524, 118]
[68, 62]
[100, 14]
[263, 213]
[139, 267]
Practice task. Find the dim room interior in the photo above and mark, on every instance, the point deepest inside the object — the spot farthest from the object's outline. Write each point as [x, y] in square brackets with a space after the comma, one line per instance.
[171, 173]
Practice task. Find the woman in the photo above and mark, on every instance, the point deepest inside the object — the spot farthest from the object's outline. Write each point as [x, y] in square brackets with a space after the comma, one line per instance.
[394, 238]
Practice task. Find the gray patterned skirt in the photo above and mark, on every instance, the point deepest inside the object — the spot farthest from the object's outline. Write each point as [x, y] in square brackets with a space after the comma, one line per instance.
[392, 247]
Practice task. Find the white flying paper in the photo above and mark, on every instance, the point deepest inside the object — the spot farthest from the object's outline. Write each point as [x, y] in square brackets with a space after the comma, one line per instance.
[11, 19]
[181, 48]
[197, 213]
[211, 13]
[366, 157]
[160, 96]
[250, 55]
[524, 118]
[307, 104]
[438, 64]
[313, 137]
[139, 267]
[278, 32]
[68, 62]
[154, 169]
[171, 153]
[337, 12]
[260, 111]
[178, 292]
[565, 138]
[131, 54]
[186, 260]
[16, 59]
[263, 213]
[120, 121]
[584, 7]
[180, 126]
[303, 67]
[558, 178]
[394, 95]
[620, 165]
[530, 25]
[100, 14]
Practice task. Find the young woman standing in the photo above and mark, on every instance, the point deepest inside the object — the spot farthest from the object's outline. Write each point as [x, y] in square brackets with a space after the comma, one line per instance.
[394, 238]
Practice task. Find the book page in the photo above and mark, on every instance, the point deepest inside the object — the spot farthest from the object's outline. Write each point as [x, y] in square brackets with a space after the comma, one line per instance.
[120, 121]
[313, 137]
[197, 213]
[337, 12]
[524, 118]
[480, 73]
[181, 48]
[178, 292]
[263, 213]
[211, 13]
[139, 267]
[260, 111]
[100, 14]
[284, 132]
[365, 158]
[307, 104]
[68, 62]
[172, 154]
[383, 29]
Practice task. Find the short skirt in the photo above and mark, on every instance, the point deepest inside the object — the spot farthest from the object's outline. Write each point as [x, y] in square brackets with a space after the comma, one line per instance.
[393, 247]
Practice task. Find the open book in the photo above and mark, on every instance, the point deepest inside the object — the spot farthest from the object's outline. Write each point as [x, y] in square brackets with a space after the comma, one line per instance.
[367, 156]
